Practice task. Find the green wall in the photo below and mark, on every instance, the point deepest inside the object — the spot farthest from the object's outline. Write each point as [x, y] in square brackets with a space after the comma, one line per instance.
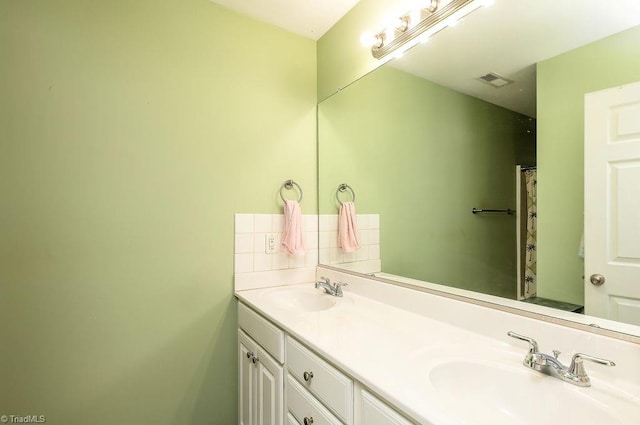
[130, 133]
[341, 57]
[422, 156]
[562, 83]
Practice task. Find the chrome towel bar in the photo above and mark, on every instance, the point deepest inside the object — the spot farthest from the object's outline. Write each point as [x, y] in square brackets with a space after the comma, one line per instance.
[480, 210]
[343, 188]
[289, 184]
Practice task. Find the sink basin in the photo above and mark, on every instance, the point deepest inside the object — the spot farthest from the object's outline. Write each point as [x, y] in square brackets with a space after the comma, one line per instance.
[482, 392]
[307, 299]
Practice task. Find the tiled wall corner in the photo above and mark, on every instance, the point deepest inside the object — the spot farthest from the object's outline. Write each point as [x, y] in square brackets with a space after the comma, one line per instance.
[366, 259]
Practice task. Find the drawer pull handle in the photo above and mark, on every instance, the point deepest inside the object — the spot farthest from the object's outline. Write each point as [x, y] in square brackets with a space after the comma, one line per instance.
[308, 420]
[255, 359]
[249, 354]
[307, 377]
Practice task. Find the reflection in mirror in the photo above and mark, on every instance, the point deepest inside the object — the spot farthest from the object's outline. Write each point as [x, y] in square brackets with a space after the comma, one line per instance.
[423, 141]
[426, 156]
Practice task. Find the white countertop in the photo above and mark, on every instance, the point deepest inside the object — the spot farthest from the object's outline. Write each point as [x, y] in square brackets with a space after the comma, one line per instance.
[392, 351]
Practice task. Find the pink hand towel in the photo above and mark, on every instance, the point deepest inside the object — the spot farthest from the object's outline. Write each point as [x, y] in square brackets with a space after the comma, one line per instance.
[348, 228]
[293, 235]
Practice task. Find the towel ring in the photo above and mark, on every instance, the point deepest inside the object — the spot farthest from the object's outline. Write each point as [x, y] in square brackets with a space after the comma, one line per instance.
[343, 188]
[289, 184]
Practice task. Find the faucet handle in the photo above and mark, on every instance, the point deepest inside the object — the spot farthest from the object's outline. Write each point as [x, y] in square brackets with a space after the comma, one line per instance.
[323, 281]
[338, 288]
[577, 368]
[533, 345]
[556, 353]
[532, 358]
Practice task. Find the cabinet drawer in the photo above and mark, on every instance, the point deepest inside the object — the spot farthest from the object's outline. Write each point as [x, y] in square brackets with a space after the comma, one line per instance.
[329, 385]
[302, 404]
[375, 412]
[262, 331]
[291, 420]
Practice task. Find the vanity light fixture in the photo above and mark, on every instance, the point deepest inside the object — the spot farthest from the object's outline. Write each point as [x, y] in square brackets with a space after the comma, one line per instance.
[418, 25]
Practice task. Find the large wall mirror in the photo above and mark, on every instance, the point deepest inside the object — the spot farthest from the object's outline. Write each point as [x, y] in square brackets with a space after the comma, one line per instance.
[487, 115]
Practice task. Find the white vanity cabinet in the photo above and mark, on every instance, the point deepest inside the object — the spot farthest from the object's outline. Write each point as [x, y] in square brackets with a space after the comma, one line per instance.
[260, 370]
[311, 376]
[302, 405]
[291, 420]
[373, 411]
[261, 382]
[282, 382]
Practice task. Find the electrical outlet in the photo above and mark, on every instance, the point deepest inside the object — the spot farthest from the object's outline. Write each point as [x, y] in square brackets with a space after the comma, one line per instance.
[271, 243]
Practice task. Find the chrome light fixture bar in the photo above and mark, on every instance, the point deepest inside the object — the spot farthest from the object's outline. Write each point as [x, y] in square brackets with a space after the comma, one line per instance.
[390, 39]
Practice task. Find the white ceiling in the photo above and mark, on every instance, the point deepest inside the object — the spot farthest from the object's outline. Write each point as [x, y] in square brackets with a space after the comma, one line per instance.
[309, 18]
[507, 38]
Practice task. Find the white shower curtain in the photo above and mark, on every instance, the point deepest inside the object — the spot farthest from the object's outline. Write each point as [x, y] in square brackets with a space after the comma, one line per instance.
[530, 263]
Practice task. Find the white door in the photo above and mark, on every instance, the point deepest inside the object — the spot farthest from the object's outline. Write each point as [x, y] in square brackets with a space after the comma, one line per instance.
[612, 203]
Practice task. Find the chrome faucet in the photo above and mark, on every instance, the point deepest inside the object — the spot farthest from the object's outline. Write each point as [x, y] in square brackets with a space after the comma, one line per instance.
[334, 289]
[550, 365]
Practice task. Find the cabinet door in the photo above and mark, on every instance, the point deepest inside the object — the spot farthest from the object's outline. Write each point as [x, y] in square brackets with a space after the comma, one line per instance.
[375, 412]
[246, 380]
[270, 388]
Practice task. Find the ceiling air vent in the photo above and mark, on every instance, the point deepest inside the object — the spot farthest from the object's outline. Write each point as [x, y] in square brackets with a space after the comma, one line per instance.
[495, 80]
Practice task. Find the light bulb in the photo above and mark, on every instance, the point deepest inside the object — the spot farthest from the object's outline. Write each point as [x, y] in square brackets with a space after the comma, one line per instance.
[443, 3]
[368, 39]
[389, 33]
[415, 16]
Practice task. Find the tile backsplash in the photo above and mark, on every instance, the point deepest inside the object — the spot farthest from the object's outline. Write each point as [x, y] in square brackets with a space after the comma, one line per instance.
[251, 232]
[255, 267]
[366, 259]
